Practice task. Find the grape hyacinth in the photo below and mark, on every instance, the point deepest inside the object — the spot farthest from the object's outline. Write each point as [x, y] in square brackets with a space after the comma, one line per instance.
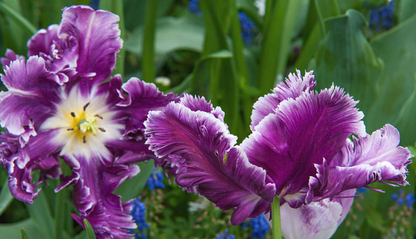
[155, 180]
[259, 227]
[138, 213]
[247, 28]
[382, 19]
[225, 235]
[400, 198]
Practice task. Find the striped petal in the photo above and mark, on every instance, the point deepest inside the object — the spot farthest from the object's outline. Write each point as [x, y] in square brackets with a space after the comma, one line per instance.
[201, 149]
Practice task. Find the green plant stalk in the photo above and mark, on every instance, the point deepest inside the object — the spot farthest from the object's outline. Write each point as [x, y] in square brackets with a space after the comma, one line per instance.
[148, 65]
[18, 19]
[276, 224]
[116, 7]
[59, 217]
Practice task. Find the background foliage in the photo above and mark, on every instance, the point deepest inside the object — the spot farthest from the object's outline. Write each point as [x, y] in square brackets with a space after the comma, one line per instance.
[228, 52]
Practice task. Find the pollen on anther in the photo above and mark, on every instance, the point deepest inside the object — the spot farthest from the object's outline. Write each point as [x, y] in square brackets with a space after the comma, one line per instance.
[84, 140]
[98, 116]
[73, 114]
[101, 129]
[70, 129]
[86, 106]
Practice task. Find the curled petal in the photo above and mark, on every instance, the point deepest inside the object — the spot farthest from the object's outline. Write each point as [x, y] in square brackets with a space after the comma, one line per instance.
[141, 97]
[98, 38]
[94, 198]
[200, 147]
[30, 99]
[301, 133]
[293, 88]
[42, 41]
[374, 158]
[21, 162]
[318, 220]
[10, 56]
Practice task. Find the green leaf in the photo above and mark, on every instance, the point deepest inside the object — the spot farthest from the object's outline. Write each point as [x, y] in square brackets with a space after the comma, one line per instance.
[5, 197]
[116, 7]
[13, 230]
[374, 4]
[223, 82]
[407, 9]
[397, 48]
[276, 42]
[24, 235]
[172, 33]
[346, 59]
[17, 18]
[88, 228]
[133, 187]
[40, 213]
[148, 65]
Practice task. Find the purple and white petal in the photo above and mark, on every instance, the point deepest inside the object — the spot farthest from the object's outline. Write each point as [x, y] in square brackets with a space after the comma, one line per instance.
[141, 97]
[200, 147]
[10, 56]
[98, 38]
[21, 162]
[94, 198]
[40, 43]
[301, 133]
[374, 158]
[32, 92]
[293, 88]
[318, 220]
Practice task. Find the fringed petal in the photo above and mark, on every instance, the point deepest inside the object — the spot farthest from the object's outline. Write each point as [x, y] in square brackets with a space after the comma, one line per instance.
[201, 149]
[374, 158]
[301, 133]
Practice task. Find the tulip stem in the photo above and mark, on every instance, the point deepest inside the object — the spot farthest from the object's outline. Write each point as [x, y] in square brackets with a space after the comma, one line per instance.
[276, 225]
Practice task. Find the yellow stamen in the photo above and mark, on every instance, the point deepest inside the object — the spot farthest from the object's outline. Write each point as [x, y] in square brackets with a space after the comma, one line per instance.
[88, 124]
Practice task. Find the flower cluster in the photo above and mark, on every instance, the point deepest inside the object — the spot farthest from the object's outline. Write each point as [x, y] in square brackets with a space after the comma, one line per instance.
[382, 19]
[138, 213]
[225, 235]
[308, 148]
[155, 180]
[247, 28]
[259, 227]
[59, 105]
[401, 198]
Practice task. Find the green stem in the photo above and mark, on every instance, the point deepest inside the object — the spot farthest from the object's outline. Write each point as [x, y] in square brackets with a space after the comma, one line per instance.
[276, 225]
[148, 65]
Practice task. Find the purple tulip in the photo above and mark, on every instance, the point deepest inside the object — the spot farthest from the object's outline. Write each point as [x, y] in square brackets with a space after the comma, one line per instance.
[59, 105]
[299, 149]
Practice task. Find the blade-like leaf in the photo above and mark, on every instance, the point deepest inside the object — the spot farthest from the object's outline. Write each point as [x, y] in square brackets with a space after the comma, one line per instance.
[5, 197]
[346, 59]
[398, 80]
[17, 18]
[13, 230]
[88, 228]
[40, 213]
[24, 235]
[132, 188]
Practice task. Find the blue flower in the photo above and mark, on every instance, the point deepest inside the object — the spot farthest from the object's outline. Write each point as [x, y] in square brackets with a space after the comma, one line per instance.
[247, 28]
[193, 7]
[410, 199]
[155, 180]
[399, 197]
[138, 213]
[259, 227]
[382, 19]
[225, 235]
